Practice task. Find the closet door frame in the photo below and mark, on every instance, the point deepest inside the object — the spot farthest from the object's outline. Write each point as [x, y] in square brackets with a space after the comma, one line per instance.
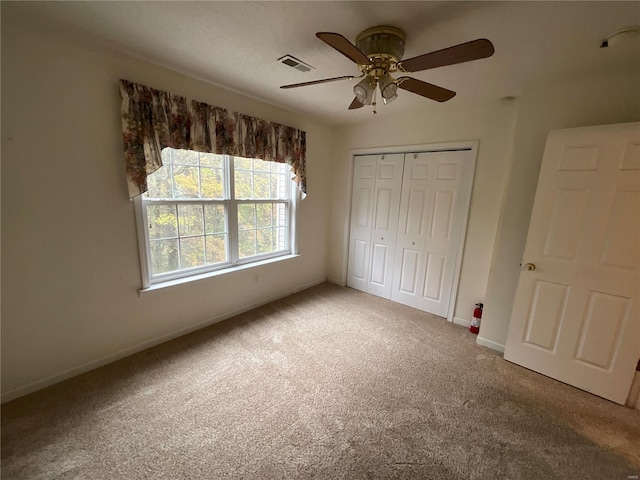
[472, 147]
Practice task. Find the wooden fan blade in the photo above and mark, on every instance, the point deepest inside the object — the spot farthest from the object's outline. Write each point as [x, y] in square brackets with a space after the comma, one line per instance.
[425, 89]
[465, 52]
[315, 82]
[356, 104]
[344, 46]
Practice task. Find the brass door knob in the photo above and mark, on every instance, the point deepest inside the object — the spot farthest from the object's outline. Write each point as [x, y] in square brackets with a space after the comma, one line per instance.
[529, 267]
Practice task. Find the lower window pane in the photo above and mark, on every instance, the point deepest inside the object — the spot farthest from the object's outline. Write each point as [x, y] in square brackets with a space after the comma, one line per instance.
[190, 220]
[246, 243]
[214, 219]
[216, 248]
[163, 221]
[191, 252]
[246, 216]
[280, 218]
[264, 214]
[280, 238]
[164, 256]
[265, 240]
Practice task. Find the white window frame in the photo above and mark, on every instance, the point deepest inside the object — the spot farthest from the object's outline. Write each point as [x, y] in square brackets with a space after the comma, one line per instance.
[231, 207]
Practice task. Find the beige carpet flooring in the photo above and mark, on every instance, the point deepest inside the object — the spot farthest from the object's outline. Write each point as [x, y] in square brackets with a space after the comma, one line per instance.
[330, 383]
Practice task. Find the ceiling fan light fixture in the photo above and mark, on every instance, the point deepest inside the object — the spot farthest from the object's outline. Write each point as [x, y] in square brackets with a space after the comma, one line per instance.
[389, 100]
[364, 90]
[388, 88]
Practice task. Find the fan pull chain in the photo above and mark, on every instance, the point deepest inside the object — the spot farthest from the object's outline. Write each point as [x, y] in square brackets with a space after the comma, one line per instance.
[375, 93]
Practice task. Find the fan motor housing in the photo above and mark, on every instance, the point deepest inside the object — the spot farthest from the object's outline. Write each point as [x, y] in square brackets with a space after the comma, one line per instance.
[383, 42]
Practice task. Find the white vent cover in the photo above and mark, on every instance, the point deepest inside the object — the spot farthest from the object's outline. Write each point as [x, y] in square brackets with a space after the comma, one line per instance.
[293, 62]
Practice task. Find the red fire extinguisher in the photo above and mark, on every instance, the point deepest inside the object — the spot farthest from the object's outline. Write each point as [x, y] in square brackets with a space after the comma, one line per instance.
[477, 315]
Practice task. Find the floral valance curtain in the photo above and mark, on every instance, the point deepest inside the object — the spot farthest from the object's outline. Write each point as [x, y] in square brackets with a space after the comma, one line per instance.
[153, 119]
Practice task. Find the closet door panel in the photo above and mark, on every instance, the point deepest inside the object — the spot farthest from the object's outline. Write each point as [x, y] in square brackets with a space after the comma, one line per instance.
[379, 264]
[364, 175]
[448, 199]
[409, 272]
[412, 228]
[359, 269]
[434, 276]
[386, 205]
[442, 214]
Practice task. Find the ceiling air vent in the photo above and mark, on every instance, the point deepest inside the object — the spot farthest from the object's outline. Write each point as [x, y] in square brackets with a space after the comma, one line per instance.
[293, 62]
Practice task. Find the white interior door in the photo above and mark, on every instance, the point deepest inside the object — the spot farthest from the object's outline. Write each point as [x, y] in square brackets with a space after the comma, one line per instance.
[384, 228]
[364, 175]
[431, 227]
[576, 316]
[413, 222]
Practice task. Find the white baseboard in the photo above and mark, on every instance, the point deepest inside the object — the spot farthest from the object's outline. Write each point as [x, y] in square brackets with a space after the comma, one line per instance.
[297, 289]
[490, 344]
[461, 321]
[92, 365]
[336, 281]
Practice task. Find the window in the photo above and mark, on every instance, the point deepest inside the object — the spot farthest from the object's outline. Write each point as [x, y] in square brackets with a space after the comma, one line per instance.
[205, 212]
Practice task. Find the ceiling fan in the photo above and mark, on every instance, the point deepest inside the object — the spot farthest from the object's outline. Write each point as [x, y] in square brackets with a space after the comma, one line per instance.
[378, 53]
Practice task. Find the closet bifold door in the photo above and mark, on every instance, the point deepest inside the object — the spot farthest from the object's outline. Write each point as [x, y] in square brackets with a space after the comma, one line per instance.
[364, 176]
[384, 226]
[374, 222]
[431, 222]
[413, 223]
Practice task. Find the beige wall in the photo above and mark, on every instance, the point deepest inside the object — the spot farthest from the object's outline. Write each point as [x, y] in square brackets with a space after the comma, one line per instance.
[492, 124]
[592, 101]
[70, 270]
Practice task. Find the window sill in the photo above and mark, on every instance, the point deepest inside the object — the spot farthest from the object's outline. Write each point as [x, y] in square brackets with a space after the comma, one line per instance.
[217, 273]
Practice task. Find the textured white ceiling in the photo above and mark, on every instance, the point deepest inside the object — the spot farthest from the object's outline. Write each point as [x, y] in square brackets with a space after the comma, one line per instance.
[237, 44]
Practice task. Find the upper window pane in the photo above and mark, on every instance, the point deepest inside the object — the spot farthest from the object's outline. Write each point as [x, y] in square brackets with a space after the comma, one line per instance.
[181, 157]
[160, 182]
[212, 182]
[260, 180]
[185, 181]
[188, 174]
[211, 160]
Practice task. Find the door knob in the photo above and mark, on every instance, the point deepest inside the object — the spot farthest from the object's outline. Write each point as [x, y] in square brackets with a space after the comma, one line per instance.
[529, 267]
[381, 238]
